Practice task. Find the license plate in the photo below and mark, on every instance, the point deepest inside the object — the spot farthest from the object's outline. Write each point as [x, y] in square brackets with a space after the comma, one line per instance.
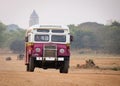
[50, 58]
[60, 59]
[38, 58]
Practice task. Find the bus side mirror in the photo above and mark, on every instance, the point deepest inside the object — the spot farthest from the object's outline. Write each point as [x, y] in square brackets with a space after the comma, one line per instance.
[71, 38]
[26, 39]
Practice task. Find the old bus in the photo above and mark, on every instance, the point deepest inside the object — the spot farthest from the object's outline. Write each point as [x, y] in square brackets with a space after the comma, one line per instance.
[48, 46]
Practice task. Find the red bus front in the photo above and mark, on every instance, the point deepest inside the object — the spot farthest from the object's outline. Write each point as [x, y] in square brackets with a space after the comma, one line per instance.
[48, 49]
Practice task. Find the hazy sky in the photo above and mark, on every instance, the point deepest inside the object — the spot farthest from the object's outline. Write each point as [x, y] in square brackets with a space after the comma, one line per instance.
[59, 11]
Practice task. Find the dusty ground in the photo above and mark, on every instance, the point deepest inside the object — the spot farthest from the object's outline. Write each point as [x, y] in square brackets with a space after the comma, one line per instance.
[12, 73]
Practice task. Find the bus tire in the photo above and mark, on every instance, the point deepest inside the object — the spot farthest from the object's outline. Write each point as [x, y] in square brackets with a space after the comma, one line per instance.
[31, 65]
[65, 67]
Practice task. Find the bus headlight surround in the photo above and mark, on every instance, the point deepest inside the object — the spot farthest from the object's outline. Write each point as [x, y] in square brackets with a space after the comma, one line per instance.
[37, 49]
[62, 51]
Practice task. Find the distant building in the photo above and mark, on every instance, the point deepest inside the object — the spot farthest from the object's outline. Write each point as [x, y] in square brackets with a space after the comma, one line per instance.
[34, 19]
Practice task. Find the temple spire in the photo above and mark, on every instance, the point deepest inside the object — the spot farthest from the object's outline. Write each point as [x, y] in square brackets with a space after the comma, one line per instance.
[34, 19]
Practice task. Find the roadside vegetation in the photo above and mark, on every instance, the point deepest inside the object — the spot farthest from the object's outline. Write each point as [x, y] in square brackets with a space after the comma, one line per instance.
[90, 36]
[12, 39]
[96, 37]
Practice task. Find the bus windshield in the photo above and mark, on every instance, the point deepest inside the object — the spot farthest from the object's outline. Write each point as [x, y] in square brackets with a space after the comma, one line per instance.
[58, 38]
[42, 38]
[46, 38]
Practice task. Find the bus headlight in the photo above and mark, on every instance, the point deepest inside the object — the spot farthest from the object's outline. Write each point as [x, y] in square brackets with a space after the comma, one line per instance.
[62, 51]
[37, 49]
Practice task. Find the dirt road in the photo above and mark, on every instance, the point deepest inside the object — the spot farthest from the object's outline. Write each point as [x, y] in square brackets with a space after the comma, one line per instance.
[12, 73]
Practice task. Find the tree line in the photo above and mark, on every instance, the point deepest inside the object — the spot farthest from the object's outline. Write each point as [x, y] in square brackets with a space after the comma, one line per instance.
[97, 37]
[12, 39]
[88, 35]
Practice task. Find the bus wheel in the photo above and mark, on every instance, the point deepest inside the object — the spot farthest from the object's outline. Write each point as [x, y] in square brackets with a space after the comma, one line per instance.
[31, 65]
[65, 67]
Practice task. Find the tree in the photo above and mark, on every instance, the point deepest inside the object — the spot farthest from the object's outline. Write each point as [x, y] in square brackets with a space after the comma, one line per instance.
[114, 38]
[2, 38]
[115, 23]
[17, 46]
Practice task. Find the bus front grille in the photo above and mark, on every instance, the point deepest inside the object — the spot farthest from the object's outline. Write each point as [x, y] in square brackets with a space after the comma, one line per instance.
[50, 51]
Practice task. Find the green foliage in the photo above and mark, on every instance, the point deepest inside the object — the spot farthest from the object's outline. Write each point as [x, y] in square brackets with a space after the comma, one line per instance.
[17, 46]
[2, 30]
[10, 38]
[16, 40]
[13, 35]
[90, 35]
[114, 38]
[83, 39]
[115, 23]
[105, 38]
